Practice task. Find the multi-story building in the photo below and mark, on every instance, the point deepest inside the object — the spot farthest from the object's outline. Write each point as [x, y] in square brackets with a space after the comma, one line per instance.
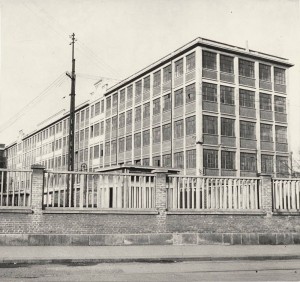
[207, 108]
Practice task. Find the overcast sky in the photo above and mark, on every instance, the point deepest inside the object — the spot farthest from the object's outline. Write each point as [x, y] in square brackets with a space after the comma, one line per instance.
[116, 38]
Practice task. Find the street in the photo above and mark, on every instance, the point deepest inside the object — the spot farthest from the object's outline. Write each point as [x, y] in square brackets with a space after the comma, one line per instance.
[285, 270]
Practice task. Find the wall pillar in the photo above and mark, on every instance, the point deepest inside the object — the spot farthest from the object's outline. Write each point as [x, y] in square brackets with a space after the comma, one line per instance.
[37, 190]
[161, 197]
[266, 194]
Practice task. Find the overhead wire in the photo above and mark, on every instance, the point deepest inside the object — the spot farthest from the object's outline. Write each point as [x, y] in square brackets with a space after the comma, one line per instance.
[56, 83]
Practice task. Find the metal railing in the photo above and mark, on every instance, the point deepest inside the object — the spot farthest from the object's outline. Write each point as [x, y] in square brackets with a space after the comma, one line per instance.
[99, 190]
[15, 188]
[286, 194]
[213, 193]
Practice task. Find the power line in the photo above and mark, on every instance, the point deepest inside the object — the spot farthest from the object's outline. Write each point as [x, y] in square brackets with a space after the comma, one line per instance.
[56, 83]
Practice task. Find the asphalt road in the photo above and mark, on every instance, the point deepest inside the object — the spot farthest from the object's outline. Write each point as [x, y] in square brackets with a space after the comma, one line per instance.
[288, 270]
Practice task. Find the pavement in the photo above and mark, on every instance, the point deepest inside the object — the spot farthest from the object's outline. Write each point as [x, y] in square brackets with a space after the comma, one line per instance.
[106, 254]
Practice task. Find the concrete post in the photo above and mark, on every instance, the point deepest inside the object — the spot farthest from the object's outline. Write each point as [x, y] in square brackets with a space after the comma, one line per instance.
[37, 188]
[266, 194]
[161, 197]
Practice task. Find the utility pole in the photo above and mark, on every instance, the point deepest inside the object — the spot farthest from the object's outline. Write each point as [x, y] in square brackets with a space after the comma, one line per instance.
[72, 76]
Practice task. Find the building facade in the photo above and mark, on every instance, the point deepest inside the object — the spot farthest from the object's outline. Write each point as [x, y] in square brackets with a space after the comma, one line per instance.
[207, 108]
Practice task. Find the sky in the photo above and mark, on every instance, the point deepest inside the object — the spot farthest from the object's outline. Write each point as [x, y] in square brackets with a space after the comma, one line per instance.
[117, 38]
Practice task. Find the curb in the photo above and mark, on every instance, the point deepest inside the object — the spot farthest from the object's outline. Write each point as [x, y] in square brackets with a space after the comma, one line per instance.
[173, 259]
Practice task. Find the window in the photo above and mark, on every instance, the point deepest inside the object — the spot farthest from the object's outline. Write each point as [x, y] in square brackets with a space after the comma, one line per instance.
[227, 127]
[156, 79]
[167, 74]
[228, 160]
[190, 125]
[107, 125]
[166, 132]
[248, 162]
[138, 113]
[156, 106]
[96, 129]
[156, 135]
[265, 102]
[209, 92]
[156, 161]
[178, 160]
[113, 147]
[179, 68]
[280, 105]
[178, 98]
[167, 102]
[209, 60]
[92, 111]
[190, 62]
[122, 96]
[129, 92]
[146, 138]
[226, 64]
[138, 88]
[102, 127]
[101, 151]
[96, 152]
[264, 72]
[128, 143]
[147, 83]
[107, 149]
[247, 98]
[122, 120]
[108, 103]
[227, 95]
[115, 100]
[266, 164]
[279, 76]
[266, 133]
[282, 164]
[190, 93]
[102, 106]
[191, 159]
[247, 130]
[281, 134]
[146, 110]
[121, 145]
[178, 129]
[137, 140]
[246, 68]
[166, 160]
[129, 117]
[114, 123]
[210, 125]
[82, 116]
[210, 158]
[146, 162]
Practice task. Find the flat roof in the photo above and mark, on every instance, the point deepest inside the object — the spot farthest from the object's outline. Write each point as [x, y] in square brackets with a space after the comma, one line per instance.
[205, 43]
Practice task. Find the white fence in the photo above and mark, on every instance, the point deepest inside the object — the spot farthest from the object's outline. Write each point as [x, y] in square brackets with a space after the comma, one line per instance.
[213, 193]
[15, 188]
[99, 191]
[286, 194]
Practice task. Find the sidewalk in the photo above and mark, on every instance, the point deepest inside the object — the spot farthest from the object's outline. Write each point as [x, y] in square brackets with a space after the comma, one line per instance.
[71, 254]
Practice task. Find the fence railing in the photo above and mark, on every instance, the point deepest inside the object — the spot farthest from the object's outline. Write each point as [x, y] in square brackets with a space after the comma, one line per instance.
[99, 191]
[213, 193]
[15, 188]
[286, 194]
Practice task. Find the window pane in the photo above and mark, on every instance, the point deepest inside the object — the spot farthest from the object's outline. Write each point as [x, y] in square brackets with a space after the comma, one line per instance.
[266, 133]
[266, 164]
[167, 102]
[209, 92]
[167, 73]
[247, 130]
[190, 93]
[226, 64]
[190, 125]
[156, 79]
[156, 106]
[246, 68]
[178, 160]
[179, 68]
[265, 102]
[264, 72]
[191, 159]
[190, 62]
[210, 125]
[209, 60]
[227, 127]
[228, 160]
[281, 134]
[248, 162]
[178, 130]
[210, 158]
[227, 95]
[178, 98]
[156, 135]
[280, 104]
[167, 132]
[247, 98]
[279, 76]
